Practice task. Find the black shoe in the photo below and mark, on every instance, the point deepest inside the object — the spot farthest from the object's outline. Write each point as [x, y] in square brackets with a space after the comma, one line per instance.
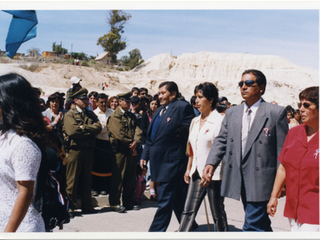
[134, 207]
[118, 208]
[194, 226]
[90, 211]
[103, 193]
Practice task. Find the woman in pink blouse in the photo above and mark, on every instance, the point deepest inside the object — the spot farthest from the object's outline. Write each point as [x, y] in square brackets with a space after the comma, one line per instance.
[299, 168]
[203, 130]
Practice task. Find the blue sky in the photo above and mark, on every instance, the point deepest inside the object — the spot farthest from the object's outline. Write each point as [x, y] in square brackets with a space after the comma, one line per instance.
[292, 34]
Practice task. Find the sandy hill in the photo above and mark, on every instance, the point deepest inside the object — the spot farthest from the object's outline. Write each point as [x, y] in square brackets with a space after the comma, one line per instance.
[284, 79]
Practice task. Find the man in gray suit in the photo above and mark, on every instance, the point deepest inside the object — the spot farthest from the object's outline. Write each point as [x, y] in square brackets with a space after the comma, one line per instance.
[251, 138]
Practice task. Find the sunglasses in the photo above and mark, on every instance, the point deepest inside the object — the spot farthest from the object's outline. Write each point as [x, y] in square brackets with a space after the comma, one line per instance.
[248, 83]
[305, 105]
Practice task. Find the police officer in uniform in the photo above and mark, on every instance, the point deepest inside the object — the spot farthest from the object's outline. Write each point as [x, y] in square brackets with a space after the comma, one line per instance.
[125, 135]
[80, 126]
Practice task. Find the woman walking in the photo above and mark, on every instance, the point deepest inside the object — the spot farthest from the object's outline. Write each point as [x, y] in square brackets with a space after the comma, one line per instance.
[299, 168]
[203, 130]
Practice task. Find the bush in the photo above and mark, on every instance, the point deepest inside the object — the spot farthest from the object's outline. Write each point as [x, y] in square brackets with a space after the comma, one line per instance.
[85, 64]
[119, 69]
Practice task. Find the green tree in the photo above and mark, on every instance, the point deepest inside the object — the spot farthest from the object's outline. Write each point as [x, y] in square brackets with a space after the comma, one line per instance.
[113, 42]
[58, 49]
[80, 56]
[133, 59]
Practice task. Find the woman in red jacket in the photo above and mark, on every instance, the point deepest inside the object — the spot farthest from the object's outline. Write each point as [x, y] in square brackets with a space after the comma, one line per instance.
[299, 168]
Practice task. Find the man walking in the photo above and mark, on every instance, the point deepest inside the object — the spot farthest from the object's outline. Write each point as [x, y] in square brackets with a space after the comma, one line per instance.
[165, 148]
[251, 137]
[80, 126]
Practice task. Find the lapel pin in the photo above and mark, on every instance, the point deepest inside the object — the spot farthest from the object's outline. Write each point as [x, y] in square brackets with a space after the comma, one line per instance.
[316, 154]
[168, 119]
[206, 131]
[266, 131]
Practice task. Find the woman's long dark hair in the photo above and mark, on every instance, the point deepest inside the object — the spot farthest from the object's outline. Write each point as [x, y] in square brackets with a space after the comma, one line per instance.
[155, 98]
[20, 108]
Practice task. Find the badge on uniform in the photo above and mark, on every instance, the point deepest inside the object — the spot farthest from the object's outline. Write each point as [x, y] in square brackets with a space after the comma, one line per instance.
[266, 131]
[316, 154]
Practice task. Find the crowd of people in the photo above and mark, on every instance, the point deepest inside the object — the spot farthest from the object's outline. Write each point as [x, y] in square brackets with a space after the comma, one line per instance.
[177, 149]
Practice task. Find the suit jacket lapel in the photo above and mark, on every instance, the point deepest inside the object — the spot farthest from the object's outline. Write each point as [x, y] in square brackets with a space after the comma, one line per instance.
[164, 119]
[236, 135]
[256, 127]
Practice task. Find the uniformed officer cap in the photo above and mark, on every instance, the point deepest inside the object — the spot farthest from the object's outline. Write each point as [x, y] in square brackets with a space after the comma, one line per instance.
[81, 94]
[125, 96]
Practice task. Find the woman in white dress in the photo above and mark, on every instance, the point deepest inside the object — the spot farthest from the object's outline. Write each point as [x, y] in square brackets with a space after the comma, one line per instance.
[203, 130]
[21, 131]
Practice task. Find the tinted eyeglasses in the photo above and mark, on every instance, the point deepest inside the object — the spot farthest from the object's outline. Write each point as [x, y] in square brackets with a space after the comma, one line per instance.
[248, 83]
[305, 105]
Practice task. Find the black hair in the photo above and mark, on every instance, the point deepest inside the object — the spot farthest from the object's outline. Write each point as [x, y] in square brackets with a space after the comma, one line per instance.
[53, 97]
[102, 95]
[222, 107]
[135, 100]
[20, 109]
[311, 94]
[260, 77]
[290, 109]
[93, 93]
[209, 91]
[223, 99]
[171, 87]
[144, 89]
[76, 88]
[193, 100]
[135, 89]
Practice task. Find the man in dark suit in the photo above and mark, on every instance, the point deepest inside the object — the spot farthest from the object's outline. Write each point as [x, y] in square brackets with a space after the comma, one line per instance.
[165, 148]
[251, 137]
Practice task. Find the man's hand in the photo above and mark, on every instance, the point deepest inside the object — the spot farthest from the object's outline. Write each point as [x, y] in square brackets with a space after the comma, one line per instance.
[133, 145]
[206, 175]
[143, 163]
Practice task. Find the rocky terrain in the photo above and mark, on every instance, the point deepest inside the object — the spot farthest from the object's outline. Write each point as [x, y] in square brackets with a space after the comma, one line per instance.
[284, 79]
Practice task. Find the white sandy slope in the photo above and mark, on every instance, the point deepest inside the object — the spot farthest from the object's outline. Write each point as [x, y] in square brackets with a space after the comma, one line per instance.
[284, 79]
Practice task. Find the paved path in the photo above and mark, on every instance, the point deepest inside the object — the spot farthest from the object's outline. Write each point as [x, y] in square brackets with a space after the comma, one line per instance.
[139, 221]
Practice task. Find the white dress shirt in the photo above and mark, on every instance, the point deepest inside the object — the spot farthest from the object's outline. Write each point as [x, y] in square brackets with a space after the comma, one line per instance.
[103, 118]
[201, 141]
[254, 109]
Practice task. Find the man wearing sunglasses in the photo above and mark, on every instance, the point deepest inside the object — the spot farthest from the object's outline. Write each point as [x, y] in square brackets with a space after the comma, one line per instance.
[251, 138]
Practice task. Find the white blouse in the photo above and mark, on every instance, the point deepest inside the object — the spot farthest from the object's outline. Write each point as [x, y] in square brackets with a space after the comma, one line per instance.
[20, 160]
[201, 141]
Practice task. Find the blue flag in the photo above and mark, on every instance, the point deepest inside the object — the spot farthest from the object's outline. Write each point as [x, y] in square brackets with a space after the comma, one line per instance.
[22, 28]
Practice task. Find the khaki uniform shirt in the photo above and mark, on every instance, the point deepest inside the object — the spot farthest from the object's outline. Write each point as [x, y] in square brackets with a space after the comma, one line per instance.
[81, 128]
[124, 128]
